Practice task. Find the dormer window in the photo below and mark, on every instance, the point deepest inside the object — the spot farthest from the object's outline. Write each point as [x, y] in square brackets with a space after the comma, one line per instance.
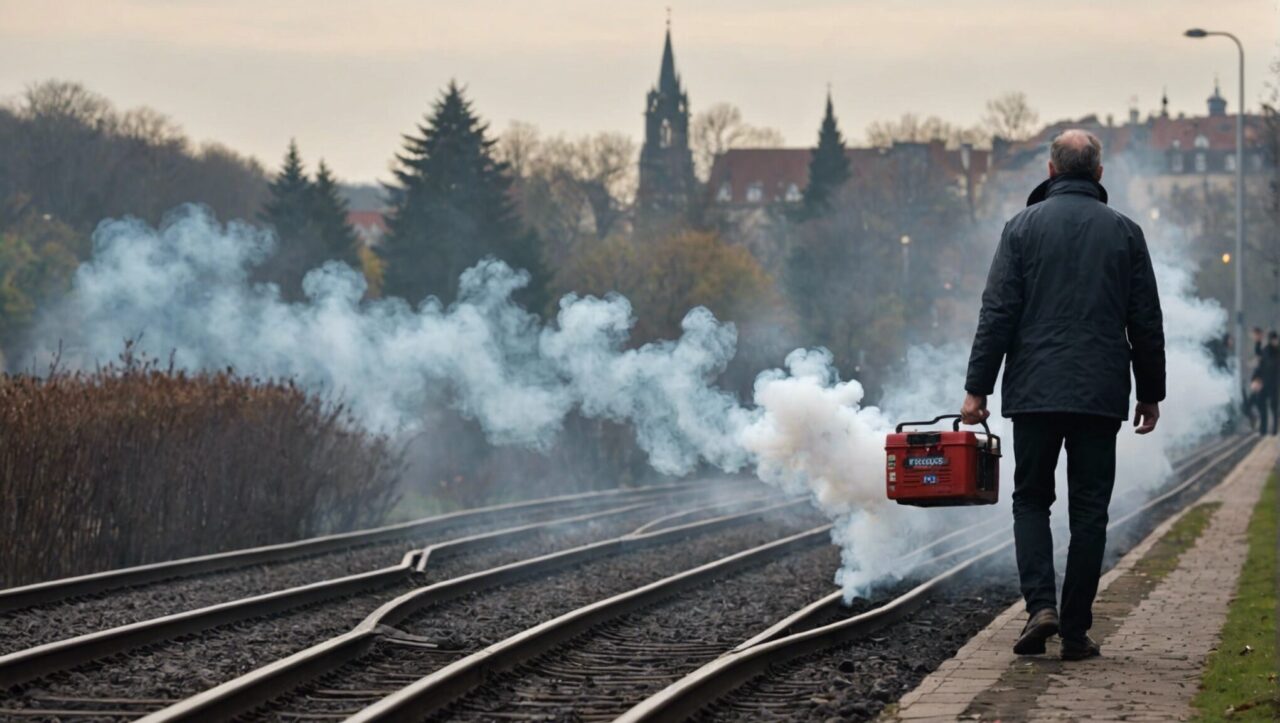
[793, 194]
[755, 192]
[725, 194]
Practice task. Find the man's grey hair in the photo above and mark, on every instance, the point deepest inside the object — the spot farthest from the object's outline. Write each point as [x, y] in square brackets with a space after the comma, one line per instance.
[1076, 151]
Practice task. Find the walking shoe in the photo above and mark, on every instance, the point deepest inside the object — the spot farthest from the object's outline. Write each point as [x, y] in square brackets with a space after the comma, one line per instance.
[1080, 648]
[1042, 626]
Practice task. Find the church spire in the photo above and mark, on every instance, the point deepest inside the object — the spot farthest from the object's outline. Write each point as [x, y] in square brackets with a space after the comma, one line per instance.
[667, 185]
[668, 81]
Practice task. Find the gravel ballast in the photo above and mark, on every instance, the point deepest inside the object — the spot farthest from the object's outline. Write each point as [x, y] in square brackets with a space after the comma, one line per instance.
[468, 624]
[605, 672]
[184, 667]
[47, 623]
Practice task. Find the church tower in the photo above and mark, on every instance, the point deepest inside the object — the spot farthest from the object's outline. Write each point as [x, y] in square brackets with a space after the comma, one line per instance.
[667, 183]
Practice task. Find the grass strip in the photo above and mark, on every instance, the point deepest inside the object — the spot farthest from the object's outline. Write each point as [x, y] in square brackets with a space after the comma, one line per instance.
[1239, 683]
[1163, 557]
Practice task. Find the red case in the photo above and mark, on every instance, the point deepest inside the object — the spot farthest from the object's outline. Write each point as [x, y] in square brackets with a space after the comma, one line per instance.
[942, 468]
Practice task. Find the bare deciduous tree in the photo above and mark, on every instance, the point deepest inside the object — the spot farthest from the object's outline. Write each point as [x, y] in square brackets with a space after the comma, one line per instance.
[1011, 117]
[517, 147]
[78, 158]
[721, 127]
[570, 187]
[911, 128]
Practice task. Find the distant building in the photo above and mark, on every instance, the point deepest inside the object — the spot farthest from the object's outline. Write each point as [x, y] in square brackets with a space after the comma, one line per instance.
[667, 185]
[370, 226]
[750, 178]
[1153, 156]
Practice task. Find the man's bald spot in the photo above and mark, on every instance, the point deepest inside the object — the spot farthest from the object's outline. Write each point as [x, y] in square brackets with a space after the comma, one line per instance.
[1076, 151]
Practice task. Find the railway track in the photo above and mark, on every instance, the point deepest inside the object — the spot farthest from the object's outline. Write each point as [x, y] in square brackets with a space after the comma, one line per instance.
[184, 658]
[115, 603]
[587, 632]
[442, 624]
[380, 541]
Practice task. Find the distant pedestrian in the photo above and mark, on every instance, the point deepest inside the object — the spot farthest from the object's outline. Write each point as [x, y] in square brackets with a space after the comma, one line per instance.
[1070, 304]
[1267, 371]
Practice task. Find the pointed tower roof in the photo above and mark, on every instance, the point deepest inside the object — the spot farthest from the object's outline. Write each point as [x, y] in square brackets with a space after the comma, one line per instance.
[1217, 104]
[668, 81]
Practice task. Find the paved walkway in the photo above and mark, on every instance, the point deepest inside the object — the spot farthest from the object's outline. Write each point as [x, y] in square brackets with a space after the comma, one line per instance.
[1154, 634]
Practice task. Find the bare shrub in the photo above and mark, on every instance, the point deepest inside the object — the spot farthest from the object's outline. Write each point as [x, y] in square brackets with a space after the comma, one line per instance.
[137, 463]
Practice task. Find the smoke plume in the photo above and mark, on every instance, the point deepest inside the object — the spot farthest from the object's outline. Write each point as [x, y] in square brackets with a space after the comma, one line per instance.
[185, 289]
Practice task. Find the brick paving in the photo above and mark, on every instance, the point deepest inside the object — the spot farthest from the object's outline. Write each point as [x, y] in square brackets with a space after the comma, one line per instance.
[1154, 635]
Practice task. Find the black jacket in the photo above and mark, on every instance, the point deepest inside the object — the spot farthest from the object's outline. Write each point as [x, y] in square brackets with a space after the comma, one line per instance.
[1268, 367]
[1071, 301]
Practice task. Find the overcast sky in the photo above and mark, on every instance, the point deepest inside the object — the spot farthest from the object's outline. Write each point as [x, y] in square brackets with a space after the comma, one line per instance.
[347, 78]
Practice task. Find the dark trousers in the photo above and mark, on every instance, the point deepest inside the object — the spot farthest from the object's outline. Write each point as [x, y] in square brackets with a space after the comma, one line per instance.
[1091, 471]
[1266, 403]
[1271, 400]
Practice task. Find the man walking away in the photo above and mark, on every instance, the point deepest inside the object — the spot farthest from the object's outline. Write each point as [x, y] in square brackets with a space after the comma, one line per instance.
[1070, 305]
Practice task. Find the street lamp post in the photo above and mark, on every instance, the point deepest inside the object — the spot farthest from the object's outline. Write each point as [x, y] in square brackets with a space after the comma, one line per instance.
[906, 260]
[1239, 254]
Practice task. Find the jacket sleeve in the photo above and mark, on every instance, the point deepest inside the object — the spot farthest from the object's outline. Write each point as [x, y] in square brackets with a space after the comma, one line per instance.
[998, 321]
[1145, 323]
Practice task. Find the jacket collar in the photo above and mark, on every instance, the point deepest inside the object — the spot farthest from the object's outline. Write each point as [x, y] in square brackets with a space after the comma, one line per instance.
[1068, 183]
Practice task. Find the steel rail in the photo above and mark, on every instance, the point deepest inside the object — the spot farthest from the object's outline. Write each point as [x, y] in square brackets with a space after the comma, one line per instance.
[442, 687]
[242, 694]
[686, 696]
[832, 603]
[35, 662]
[661, 521]
[99, 582]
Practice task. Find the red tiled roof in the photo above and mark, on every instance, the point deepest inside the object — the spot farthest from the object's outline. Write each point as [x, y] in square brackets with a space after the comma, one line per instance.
[775, 169]
[1220, 131]
[778, 169]
[1161, 133]
[367, 219]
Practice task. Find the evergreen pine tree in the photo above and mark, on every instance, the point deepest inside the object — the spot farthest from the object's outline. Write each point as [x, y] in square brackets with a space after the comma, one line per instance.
[452, 207]
[828, 166]
[334, 240]
[288, 212]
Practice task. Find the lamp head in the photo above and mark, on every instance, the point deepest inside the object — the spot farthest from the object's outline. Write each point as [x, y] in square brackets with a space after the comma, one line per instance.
[1195, 33]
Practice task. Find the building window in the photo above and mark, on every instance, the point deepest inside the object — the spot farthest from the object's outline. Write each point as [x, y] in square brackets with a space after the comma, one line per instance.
[1177, 143]
[755, 192]
[1229, 162]
[793, 194]
[664, 139]
[1201, 141]
[1201, 163]
[1257, 161]
[725, 194]
[1176, 163]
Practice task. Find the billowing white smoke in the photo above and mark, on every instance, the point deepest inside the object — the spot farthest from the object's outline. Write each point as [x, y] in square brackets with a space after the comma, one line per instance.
[185, 288]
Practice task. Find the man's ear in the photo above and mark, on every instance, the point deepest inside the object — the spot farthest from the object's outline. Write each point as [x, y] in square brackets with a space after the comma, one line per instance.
[1052, 171]
[1099, 176]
